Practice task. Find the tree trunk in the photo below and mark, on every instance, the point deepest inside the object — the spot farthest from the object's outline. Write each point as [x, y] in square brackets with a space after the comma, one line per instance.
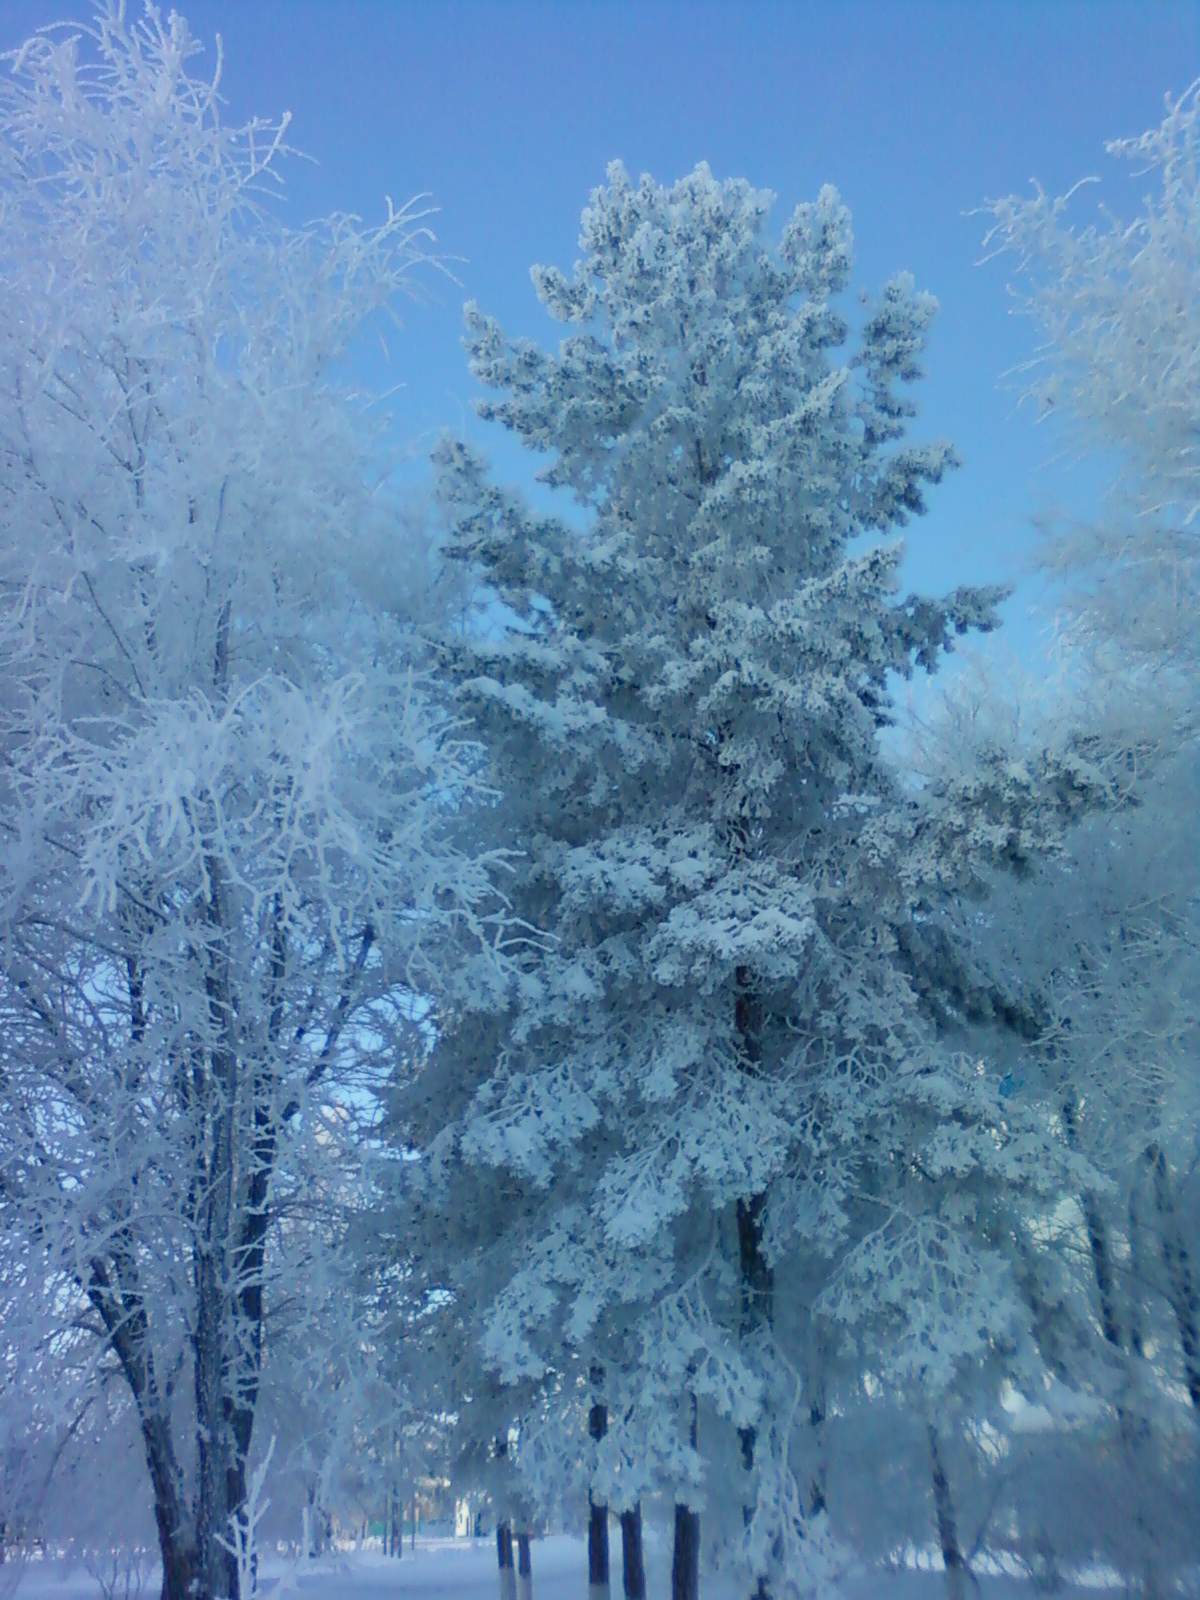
[178, 1553]
[524, 1568]
[1137, 1274]
[598, 1552]
[952, 1557]
[633, 1567]
[114, 1291]
[598, 1582]
[757, 1279]
[1097, 1232]
[1181, 1286]
[758, 1309]
[816, 1417]
[1042, 1563]
[221, 1463]
[216, 1574]
[685, 1565]
[179, 1563]
[504, 1561]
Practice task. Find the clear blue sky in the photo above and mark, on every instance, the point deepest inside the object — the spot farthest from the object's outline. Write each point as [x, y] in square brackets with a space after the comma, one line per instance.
[509, 112]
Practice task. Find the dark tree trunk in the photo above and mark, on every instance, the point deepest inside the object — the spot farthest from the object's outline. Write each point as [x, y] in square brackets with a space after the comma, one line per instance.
[1137, 1273]
[1098, 1243]
[598, 1581]
[757, 1278]
[178, 1552]
[952, 1557]
[755, 1273]
[114, 1291]
[816, 1417]
[598, 1552]
[217, 1575]
[524, 1568]
[179, 1564]
[1097, 1231]
[504, 1561]
[1042, 1562]
[1044, 1305]
[685, 1565]
[220, 1476]
[394, 1532]
[747, 1439]
[633, 1567]
[1181, 1286]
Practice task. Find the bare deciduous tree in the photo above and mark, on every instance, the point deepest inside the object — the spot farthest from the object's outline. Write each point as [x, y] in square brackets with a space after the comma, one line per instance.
[225, 793]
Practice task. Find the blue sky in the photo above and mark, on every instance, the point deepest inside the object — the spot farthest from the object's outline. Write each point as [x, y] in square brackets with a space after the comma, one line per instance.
[509, 111]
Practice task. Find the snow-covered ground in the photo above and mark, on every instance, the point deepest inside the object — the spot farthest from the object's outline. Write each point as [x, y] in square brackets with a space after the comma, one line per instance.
[466, 1570]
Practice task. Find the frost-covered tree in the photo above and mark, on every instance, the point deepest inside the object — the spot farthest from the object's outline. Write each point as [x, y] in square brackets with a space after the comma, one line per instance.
[1117, 306]
[225, 793]
[1091, 963]
[714, 1073]
[1097, 953]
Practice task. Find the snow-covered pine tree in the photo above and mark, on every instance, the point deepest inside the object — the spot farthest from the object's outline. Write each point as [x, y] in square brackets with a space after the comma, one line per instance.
[714, 1019]
[224, 858]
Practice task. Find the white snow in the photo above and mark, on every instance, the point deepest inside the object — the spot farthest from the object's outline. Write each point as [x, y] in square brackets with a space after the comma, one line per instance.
[466, 1570]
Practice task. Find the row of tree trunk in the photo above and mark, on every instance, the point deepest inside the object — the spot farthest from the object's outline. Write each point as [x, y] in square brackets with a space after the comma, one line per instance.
[685, 1567]
[516, 1580]
[685, 1564]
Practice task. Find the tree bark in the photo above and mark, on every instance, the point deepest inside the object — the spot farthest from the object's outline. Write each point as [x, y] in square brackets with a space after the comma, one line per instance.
[1137, 1273]
[220, 1473]
[1181, 1285]
[685, 1565]
[817, 1417]
[1097, 1232]
[394, 1533]
[216, 1578]
[952, 1557]
[757, 1277]
[633, 1567]
[524, 1568]
[114, 1292]
[598, 1580]
[504, 1561]
[685, 1562]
